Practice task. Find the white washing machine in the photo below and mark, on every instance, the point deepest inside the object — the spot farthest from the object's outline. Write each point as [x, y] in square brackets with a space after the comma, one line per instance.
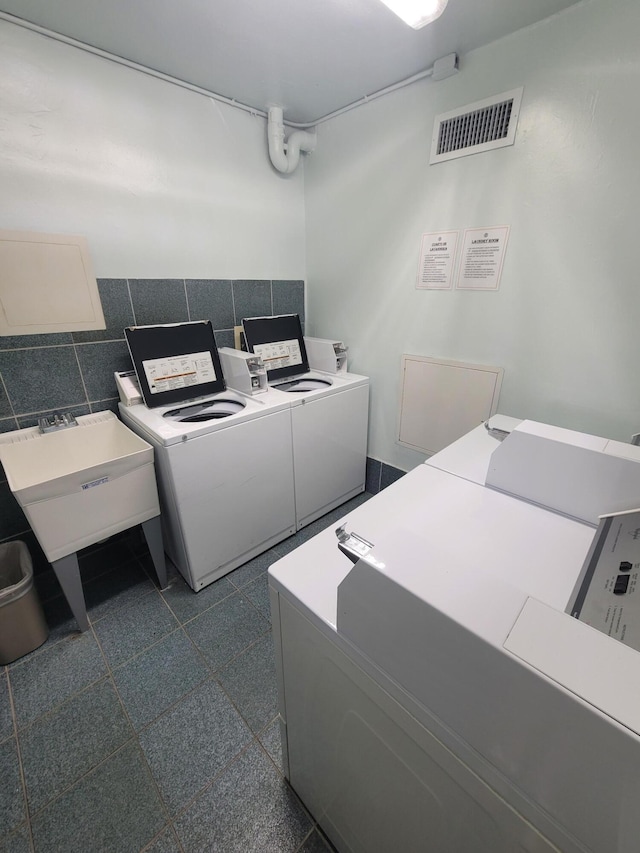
[224, 460]
[470, 683]
[329, 416]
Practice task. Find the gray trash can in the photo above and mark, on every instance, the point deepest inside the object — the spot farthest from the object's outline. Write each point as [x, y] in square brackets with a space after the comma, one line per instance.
[22, 624]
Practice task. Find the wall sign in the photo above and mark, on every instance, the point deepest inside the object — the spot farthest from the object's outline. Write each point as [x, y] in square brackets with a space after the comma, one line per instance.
[437, 260]
[482, 258]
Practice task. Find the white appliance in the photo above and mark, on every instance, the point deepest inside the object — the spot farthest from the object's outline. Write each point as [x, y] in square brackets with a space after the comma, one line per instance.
[329, 416]
[437, 694]
[243, 371]
[326, 355]
[224, 460]
[78, 482]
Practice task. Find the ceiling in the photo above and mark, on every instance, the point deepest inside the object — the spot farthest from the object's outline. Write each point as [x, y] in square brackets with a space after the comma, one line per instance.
[311, 57]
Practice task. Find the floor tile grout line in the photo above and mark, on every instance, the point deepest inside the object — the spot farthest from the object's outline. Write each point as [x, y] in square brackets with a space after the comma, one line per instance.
[135, 736]
[56, 708]
[23, 780]
[126, 605]
[82, 776]
[213, 675]
[206, 610]
[171, 828]
[47, 646]
[212, 781]
[104, 677]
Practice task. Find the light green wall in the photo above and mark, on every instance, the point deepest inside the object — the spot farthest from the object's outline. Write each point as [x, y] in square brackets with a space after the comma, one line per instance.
[163, 182]
[565, 323]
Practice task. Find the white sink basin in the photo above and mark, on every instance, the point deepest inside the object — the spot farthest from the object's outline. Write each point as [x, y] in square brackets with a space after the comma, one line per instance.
[81, 484]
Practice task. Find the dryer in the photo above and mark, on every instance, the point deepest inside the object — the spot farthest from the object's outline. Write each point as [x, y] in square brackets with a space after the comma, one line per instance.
[465, 684]
[224, 460]
[329, 416]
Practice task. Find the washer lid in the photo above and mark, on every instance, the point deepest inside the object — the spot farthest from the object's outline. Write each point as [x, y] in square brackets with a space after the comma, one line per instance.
[278, 340]
[301, 385]
[205, 410]
[175, 362]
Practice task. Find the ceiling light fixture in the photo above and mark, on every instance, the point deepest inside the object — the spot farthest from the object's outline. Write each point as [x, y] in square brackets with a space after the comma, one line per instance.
[417, 13]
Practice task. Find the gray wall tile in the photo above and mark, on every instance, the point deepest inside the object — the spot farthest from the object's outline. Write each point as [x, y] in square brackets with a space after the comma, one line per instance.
[33, 418]
[41, 374]
[43, 378]
[118, 313]
[14, 521]
[224, 338]
[110, 405]
[372, 482]
[389, 475]
[5, 405]
[288, 298]
[158, 300]
[98, 363]
[211, 299]
[30, 341]
[251, 298]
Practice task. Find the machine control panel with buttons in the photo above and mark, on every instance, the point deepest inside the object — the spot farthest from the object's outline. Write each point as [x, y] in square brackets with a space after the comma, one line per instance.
[607, 595]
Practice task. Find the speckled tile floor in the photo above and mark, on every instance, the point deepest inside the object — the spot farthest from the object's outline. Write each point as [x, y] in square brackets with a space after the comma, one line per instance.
[156, 729]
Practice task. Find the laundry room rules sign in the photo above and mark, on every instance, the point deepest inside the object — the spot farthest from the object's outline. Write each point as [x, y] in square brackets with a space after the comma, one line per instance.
[482, 257]
[437, 260]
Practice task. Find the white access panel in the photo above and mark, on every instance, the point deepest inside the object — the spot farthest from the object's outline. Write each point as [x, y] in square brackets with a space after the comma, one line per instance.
[329, 450]
[47, 284]
[442, 400]
[228, 496]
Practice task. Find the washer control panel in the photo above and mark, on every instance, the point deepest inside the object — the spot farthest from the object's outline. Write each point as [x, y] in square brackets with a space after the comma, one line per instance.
[607, 595]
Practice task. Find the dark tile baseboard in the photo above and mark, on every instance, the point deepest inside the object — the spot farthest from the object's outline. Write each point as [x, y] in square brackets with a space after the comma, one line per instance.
[380, 475]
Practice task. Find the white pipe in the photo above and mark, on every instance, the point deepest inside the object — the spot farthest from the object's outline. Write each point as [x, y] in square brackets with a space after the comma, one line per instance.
[21, 22]
[366, 98]
[128, 63]
[286, 155]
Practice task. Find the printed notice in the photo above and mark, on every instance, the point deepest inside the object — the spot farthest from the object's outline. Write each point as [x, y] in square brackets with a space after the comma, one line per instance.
[279, 354]
[179, 371]
[437, 259]
[483, 252]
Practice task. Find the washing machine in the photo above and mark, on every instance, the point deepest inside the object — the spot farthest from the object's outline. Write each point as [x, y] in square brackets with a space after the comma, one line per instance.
[224, 460]
[329, 416]
[459, 661]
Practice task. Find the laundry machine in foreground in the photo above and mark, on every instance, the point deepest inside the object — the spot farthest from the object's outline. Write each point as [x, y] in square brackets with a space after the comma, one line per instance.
[456, 670]
[224, 460]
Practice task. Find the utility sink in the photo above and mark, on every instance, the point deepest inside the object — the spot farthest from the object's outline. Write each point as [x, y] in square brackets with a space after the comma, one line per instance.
[81, 484]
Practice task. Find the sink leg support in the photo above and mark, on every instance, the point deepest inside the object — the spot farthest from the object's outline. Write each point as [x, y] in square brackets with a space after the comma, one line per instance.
[68, 573]
[153, 534]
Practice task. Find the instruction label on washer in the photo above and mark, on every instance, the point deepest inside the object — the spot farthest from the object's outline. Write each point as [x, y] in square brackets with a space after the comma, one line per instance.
[279, 354]
[179, 371]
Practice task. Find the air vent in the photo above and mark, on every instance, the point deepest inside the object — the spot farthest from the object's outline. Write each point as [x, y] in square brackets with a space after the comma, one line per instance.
[477, 127]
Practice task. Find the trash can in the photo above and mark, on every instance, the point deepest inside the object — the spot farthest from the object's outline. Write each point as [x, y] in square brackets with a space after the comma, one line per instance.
[22, 624]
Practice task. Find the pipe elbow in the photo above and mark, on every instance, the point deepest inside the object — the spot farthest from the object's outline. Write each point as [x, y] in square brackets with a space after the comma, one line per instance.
[300, 140]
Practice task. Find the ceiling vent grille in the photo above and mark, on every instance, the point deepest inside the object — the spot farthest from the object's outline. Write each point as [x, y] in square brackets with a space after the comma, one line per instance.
[477, 127]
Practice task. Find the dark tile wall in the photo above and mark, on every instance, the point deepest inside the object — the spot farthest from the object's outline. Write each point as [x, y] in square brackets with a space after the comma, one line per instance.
[40, 374]
[380, 475]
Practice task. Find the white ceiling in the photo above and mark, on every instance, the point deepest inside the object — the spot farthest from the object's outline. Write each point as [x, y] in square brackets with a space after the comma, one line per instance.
[309, 56]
